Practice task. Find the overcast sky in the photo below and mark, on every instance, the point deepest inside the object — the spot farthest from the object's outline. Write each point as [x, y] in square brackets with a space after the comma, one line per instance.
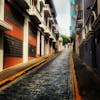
[63, 15]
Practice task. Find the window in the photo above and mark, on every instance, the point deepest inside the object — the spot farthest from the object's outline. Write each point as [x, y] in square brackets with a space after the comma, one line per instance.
[13, 46]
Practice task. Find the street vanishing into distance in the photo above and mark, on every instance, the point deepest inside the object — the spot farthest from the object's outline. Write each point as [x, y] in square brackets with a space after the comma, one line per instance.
[51, 82]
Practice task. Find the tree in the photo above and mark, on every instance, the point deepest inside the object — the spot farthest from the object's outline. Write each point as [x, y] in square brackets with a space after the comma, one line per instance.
[65, 39]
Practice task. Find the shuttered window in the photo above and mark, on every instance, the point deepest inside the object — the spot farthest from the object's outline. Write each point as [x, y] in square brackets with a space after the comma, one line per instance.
[12, 46]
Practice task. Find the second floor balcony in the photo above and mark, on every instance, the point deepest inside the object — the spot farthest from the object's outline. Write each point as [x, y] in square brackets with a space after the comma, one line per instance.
[80, 15]
[35, 14]
[47, 11]
[42, 26]
[51, 37]
[51, 20]
[47, 25]
[47, 31]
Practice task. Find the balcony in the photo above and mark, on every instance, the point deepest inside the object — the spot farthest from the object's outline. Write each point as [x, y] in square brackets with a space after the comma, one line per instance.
[79, 31]
[51, 20]
[47, 31]
[80, 15]
[42, 26]
[45, 27]
[79, 24]
[79, 21]
[47, 10]
[5, 26]
[54, 40]
[56, 32]
[35, 15]
[51, 37]
[53, 28]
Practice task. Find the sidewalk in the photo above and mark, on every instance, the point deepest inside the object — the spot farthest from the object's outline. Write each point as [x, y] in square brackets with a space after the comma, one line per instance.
[13, 72]
[88, 81]
[76, 93]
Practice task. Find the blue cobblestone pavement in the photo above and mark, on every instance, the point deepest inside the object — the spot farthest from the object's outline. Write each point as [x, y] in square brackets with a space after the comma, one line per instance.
[51, 82]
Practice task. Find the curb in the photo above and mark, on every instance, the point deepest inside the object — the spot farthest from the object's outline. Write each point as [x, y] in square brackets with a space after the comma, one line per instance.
[25, 68]
[73, 75]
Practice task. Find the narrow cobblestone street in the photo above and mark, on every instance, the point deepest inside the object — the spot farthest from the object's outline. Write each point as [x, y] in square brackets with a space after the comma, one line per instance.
[51, 82]
[49, 49]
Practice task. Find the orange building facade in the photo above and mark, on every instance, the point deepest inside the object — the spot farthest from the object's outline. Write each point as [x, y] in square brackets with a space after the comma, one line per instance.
[28, 29]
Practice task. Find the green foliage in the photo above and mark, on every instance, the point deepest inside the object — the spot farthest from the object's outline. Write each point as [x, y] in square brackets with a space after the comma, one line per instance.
[65, 39]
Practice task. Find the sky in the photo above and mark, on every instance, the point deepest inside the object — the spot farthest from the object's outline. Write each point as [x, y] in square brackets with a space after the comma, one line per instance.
[63, 15]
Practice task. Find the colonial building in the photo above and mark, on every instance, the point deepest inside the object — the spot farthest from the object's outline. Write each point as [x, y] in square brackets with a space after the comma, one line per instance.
[89, 45]
[28, 29]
